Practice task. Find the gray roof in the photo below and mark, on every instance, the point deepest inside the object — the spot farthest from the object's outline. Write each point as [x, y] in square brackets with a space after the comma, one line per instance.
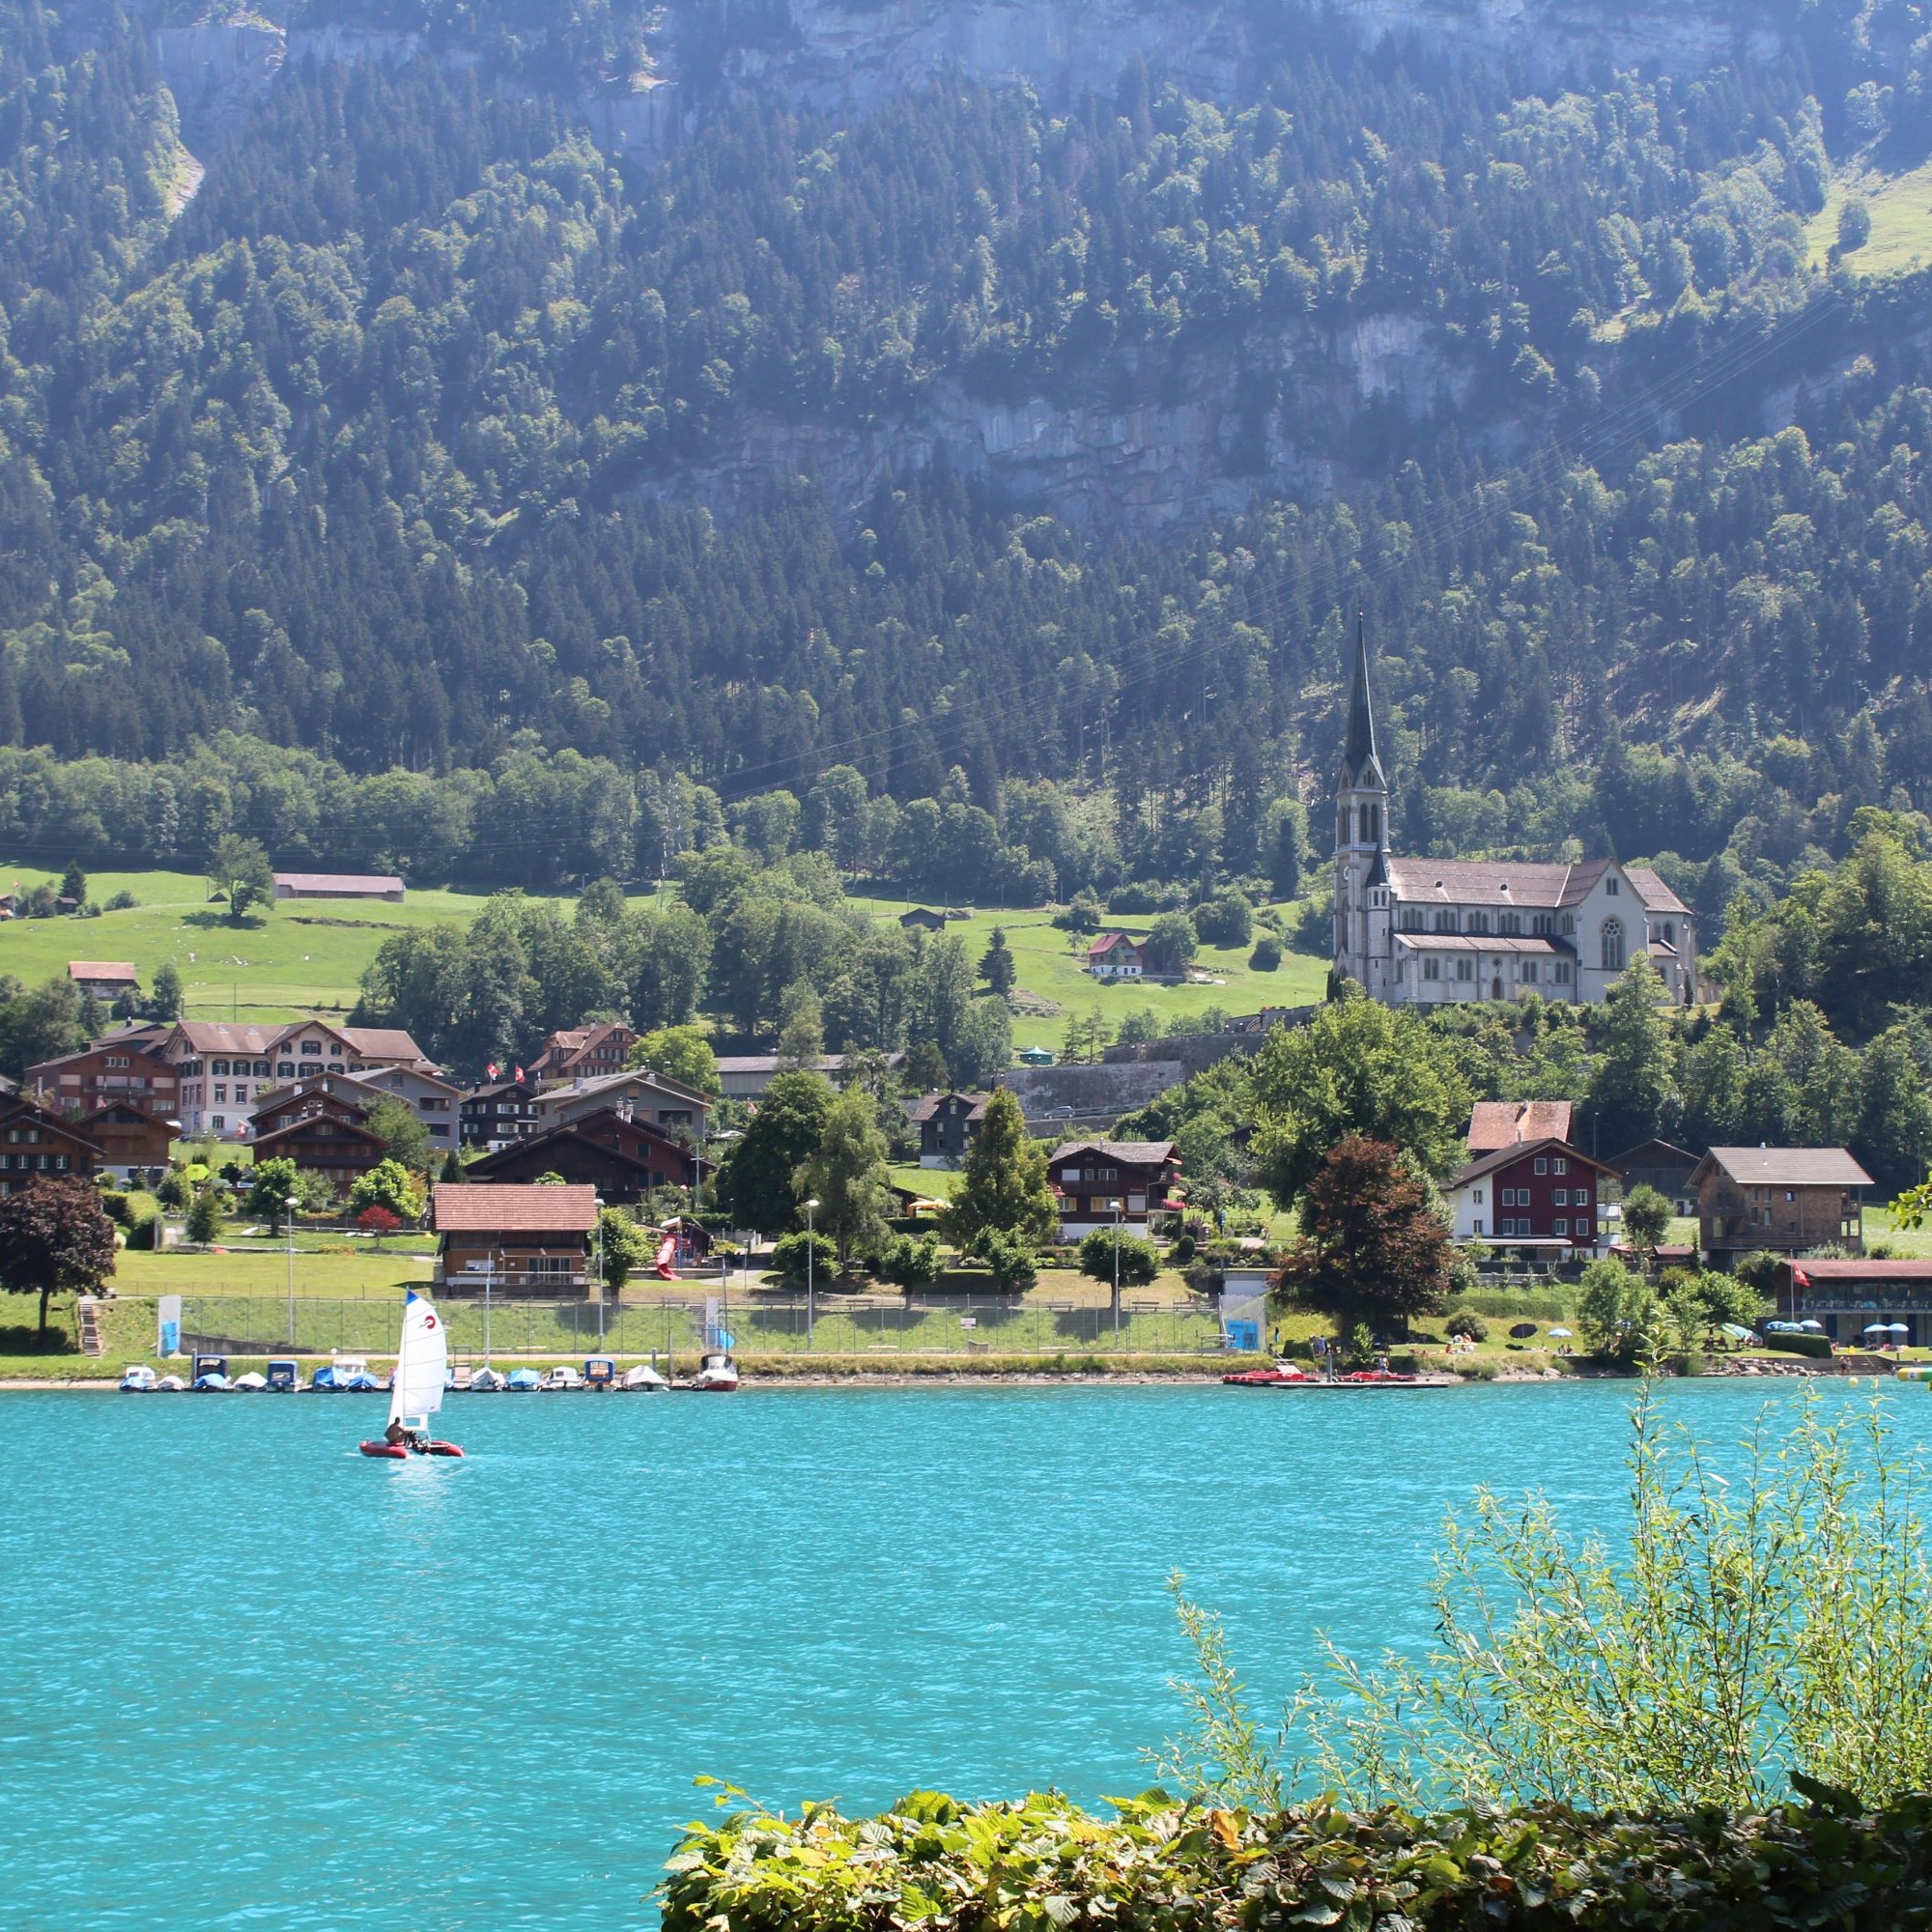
[1786, 1167]
[1486, 942]
[1130, 1154]
[1363, 759]
[1655, 896]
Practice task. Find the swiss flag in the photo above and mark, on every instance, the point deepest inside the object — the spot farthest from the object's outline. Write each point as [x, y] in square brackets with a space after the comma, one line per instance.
[520, 1073]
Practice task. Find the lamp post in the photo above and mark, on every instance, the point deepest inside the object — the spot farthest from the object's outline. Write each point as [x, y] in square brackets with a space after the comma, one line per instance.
[289, 1216]
[1116, 1271]
[810, 1256]
[597, 1202]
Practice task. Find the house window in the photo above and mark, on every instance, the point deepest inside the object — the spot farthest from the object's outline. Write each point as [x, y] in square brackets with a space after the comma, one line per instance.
[1476, 1226]
[1561, 1197]
[1476, 1196]
[1542, 1166]
[219, 1123]
[285, 1069]
[220, 1095]
[1559, 1165]
[335, 1048]
[1613, 945]
[1560, 1226]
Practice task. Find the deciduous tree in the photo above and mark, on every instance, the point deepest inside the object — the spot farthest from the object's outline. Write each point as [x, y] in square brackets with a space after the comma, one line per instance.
[55, 1238]
[847, 1175]
[755, 1184]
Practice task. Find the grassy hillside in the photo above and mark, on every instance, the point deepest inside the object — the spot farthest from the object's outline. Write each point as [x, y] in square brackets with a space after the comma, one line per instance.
[1049, 967]
[306, 955]
[1901, 213]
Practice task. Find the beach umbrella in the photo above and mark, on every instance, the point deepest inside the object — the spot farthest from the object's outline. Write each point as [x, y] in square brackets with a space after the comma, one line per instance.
[1814, 1327]
[1898, 1328]
[1523, 1332]
[1561, 1334]
[1877, 1328]
[1736, 1333]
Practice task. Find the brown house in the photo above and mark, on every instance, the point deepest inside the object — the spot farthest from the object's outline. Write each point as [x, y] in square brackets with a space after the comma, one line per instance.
[1663, 1166]
[112, 1069]
[494, 1116]
[104, 979]
[1100, 1183]
[621, 1159]
[1783, 1199]
[134, 1143]
[33, 1143]
[583, 1052]
[319, 1130]
[524, 1240]
[947, 1124]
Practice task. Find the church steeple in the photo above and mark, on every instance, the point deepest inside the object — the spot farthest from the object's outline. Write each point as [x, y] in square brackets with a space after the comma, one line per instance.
[1364, 762]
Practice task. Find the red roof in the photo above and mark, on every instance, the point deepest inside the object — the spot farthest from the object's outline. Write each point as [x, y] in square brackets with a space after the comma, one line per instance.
[1497, 1124]
[1108, 941]
[120, 971]
[479, 1207]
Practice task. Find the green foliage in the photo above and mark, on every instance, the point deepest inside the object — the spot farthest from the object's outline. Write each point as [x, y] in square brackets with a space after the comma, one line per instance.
[54, 1238]
[908, 1261]
[682, 1053]
[239, 871]
[164, 997]
[1171, 944]
[627, 1247]
[272, 1191]
[1003, 1185]
[1226, 920]
[1620, 1314]
[756, 1184]
[1359, 1067]
[790, 1253]
[1634, 1093]
[1646, 1216]
[1467, 1321]
[403, 1132]
[848, 1176]
[1010, 1259]
[1138, 1259]
[1267, 955]
[207, 1216]
[996, 964]
[388, 1184]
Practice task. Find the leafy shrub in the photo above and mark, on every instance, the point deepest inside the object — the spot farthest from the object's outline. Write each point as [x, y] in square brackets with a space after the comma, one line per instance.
[1267, 955]
[1228, 918]
[1817, 1346]
[907, 1262]
[122, 902]
[1011, 1258]
[788, 1257]
[1139, 1258]
[1183, 1250]
[1467, 1321]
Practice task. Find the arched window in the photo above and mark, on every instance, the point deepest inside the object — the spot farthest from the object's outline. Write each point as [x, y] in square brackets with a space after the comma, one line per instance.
[1613, 945]
[1479, 922]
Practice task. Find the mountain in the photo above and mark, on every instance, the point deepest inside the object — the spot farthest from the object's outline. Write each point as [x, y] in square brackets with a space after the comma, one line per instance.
[428, 422]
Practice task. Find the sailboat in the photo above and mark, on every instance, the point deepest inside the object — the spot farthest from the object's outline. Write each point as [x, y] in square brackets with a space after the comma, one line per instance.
[415, 1390]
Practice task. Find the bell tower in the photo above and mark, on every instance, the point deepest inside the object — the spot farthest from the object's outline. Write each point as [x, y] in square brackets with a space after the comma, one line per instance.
[1362, 912]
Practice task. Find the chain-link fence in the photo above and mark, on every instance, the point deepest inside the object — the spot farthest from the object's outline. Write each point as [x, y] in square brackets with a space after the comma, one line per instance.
[834, 1325]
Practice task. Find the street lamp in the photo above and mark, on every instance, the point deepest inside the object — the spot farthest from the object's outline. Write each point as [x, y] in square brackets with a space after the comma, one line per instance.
[289, 1217]
[1116, 1271]
[810, 1256]
[597, 1202]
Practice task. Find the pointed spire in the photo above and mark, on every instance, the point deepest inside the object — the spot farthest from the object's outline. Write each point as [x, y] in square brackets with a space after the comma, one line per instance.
[1362, 747]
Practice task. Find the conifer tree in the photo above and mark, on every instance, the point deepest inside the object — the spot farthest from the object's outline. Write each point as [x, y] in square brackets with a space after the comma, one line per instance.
[1004, 1188]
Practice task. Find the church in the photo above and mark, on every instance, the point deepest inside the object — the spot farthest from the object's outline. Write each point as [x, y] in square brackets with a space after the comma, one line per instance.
[1416, 931]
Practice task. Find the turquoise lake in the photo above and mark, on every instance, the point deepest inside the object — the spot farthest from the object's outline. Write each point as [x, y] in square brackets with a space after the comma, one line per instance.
[257, 1681]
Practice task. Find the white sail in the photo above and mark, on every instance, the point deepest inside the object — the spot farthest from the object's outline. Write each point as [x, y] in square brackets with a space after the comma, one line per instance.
[422, 1361]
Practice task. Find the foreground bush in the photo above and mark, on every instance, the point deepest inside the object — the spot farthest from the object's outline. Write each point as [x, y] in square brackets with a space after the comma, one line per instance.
[1160, 1864]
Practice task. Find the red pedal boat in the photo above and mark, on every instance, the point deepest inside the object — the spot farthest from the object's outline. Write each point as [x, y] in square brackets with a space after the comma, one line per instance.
[400, 1452]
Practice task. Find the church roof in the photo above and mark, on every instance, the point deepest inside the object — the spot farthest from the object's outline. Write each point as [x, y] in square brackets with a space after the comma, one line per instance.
[1486, 942]
[1361, 752]
[1655, 896]
[1504, 882]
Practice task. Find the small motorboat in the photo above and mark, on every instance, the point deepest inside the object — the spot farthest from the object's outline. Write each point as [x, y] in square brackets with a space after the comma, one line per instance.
[214, 1382]
[284, 1376]
[563, 1376]
[170, 1385]
[326, 1382]
[201, 1366]
[486, 1381]
[137, 1379]
[645, 1376]
[600, 1372]
[364, 1384]
[716, 1375]
[251, 1384]
[524, 1381]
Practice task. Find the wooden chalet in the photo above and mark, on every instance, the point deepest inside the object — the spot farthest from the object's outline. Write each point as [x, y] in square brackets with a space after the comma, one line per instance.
[518, 1240]
[621, 1158]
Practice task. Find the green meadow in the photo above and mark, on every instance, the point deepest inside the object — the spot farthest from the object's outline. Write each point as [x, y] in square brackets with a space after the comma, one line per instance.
[1901, 232]
[307, 955]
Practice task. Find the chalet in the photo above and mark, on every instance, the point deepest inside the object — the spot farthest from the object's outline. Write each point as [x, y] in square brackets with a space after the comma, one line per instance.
[494, 1116]
[518, 1240]
[381, 886]
[1849, 1296]
[921, 919]
[583, 1053]
[1537, 1197]
[321, 1130]
[1785, 1199]
[134, 1143]
[105, 980]
[1660, 1165]
[638, 1092]
[620, 1157]
[1501, 1123]
[1101, 1183]
[745, 1076]
[115, 1066]
[947, 1124]
[34, 1143]
[435, 1101]
[1115, 957]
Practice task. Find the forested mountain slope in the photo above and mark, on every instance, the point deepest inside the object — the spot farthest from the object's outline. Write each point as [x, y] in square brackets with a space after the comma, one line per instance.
[405, 461]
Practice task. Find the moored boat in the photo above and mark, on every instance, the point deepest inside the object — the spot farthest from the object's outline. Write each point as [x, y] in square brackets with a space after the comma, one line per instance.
[137, 1378]
[716, 1375]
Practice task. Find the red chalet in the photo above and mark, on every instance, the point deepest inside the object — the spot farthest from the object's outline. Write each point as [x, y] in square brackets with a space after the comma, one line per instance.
[1541, 1197]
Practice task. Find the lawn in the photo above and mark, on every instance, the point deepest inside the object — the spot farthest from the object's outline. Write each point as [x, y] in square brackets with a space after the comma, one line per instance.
[1901, 213]
[305, 955]
[1049, 966]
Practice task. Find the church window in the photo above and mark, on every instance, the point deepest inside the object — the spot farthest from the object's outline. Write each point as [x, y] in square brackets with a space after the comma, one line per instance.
[1561, 970]
[1528, 970]
[1670, 932]
[1543, 925]
[1611, 886]
[1448, 922]
[1341, 825]
[1613, 945]
[1479, 922]
[1432, 968]
[1509, 923]
[1569, 923]
[1411, 919]
[1466, 969]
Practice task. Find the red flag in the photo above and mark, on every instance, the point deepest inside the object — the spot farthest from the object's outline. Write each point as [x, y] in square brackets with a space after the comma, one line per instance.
[493, 1070]
[520, 1073]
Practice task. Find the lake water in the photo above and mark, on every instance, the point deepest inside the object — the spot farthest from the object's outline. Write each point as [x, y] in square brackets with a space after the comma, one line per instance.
[255, 1680]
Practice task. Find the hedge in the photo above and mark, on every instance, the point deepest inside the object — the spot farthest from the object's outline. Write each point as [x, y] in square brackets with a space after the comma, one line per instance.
[1819, 1346]
[1162, 1865]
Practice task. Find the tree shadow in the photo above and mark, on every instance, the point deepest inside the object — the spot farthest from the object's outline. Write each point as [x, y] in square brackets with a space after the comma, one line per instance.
[211, 921]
